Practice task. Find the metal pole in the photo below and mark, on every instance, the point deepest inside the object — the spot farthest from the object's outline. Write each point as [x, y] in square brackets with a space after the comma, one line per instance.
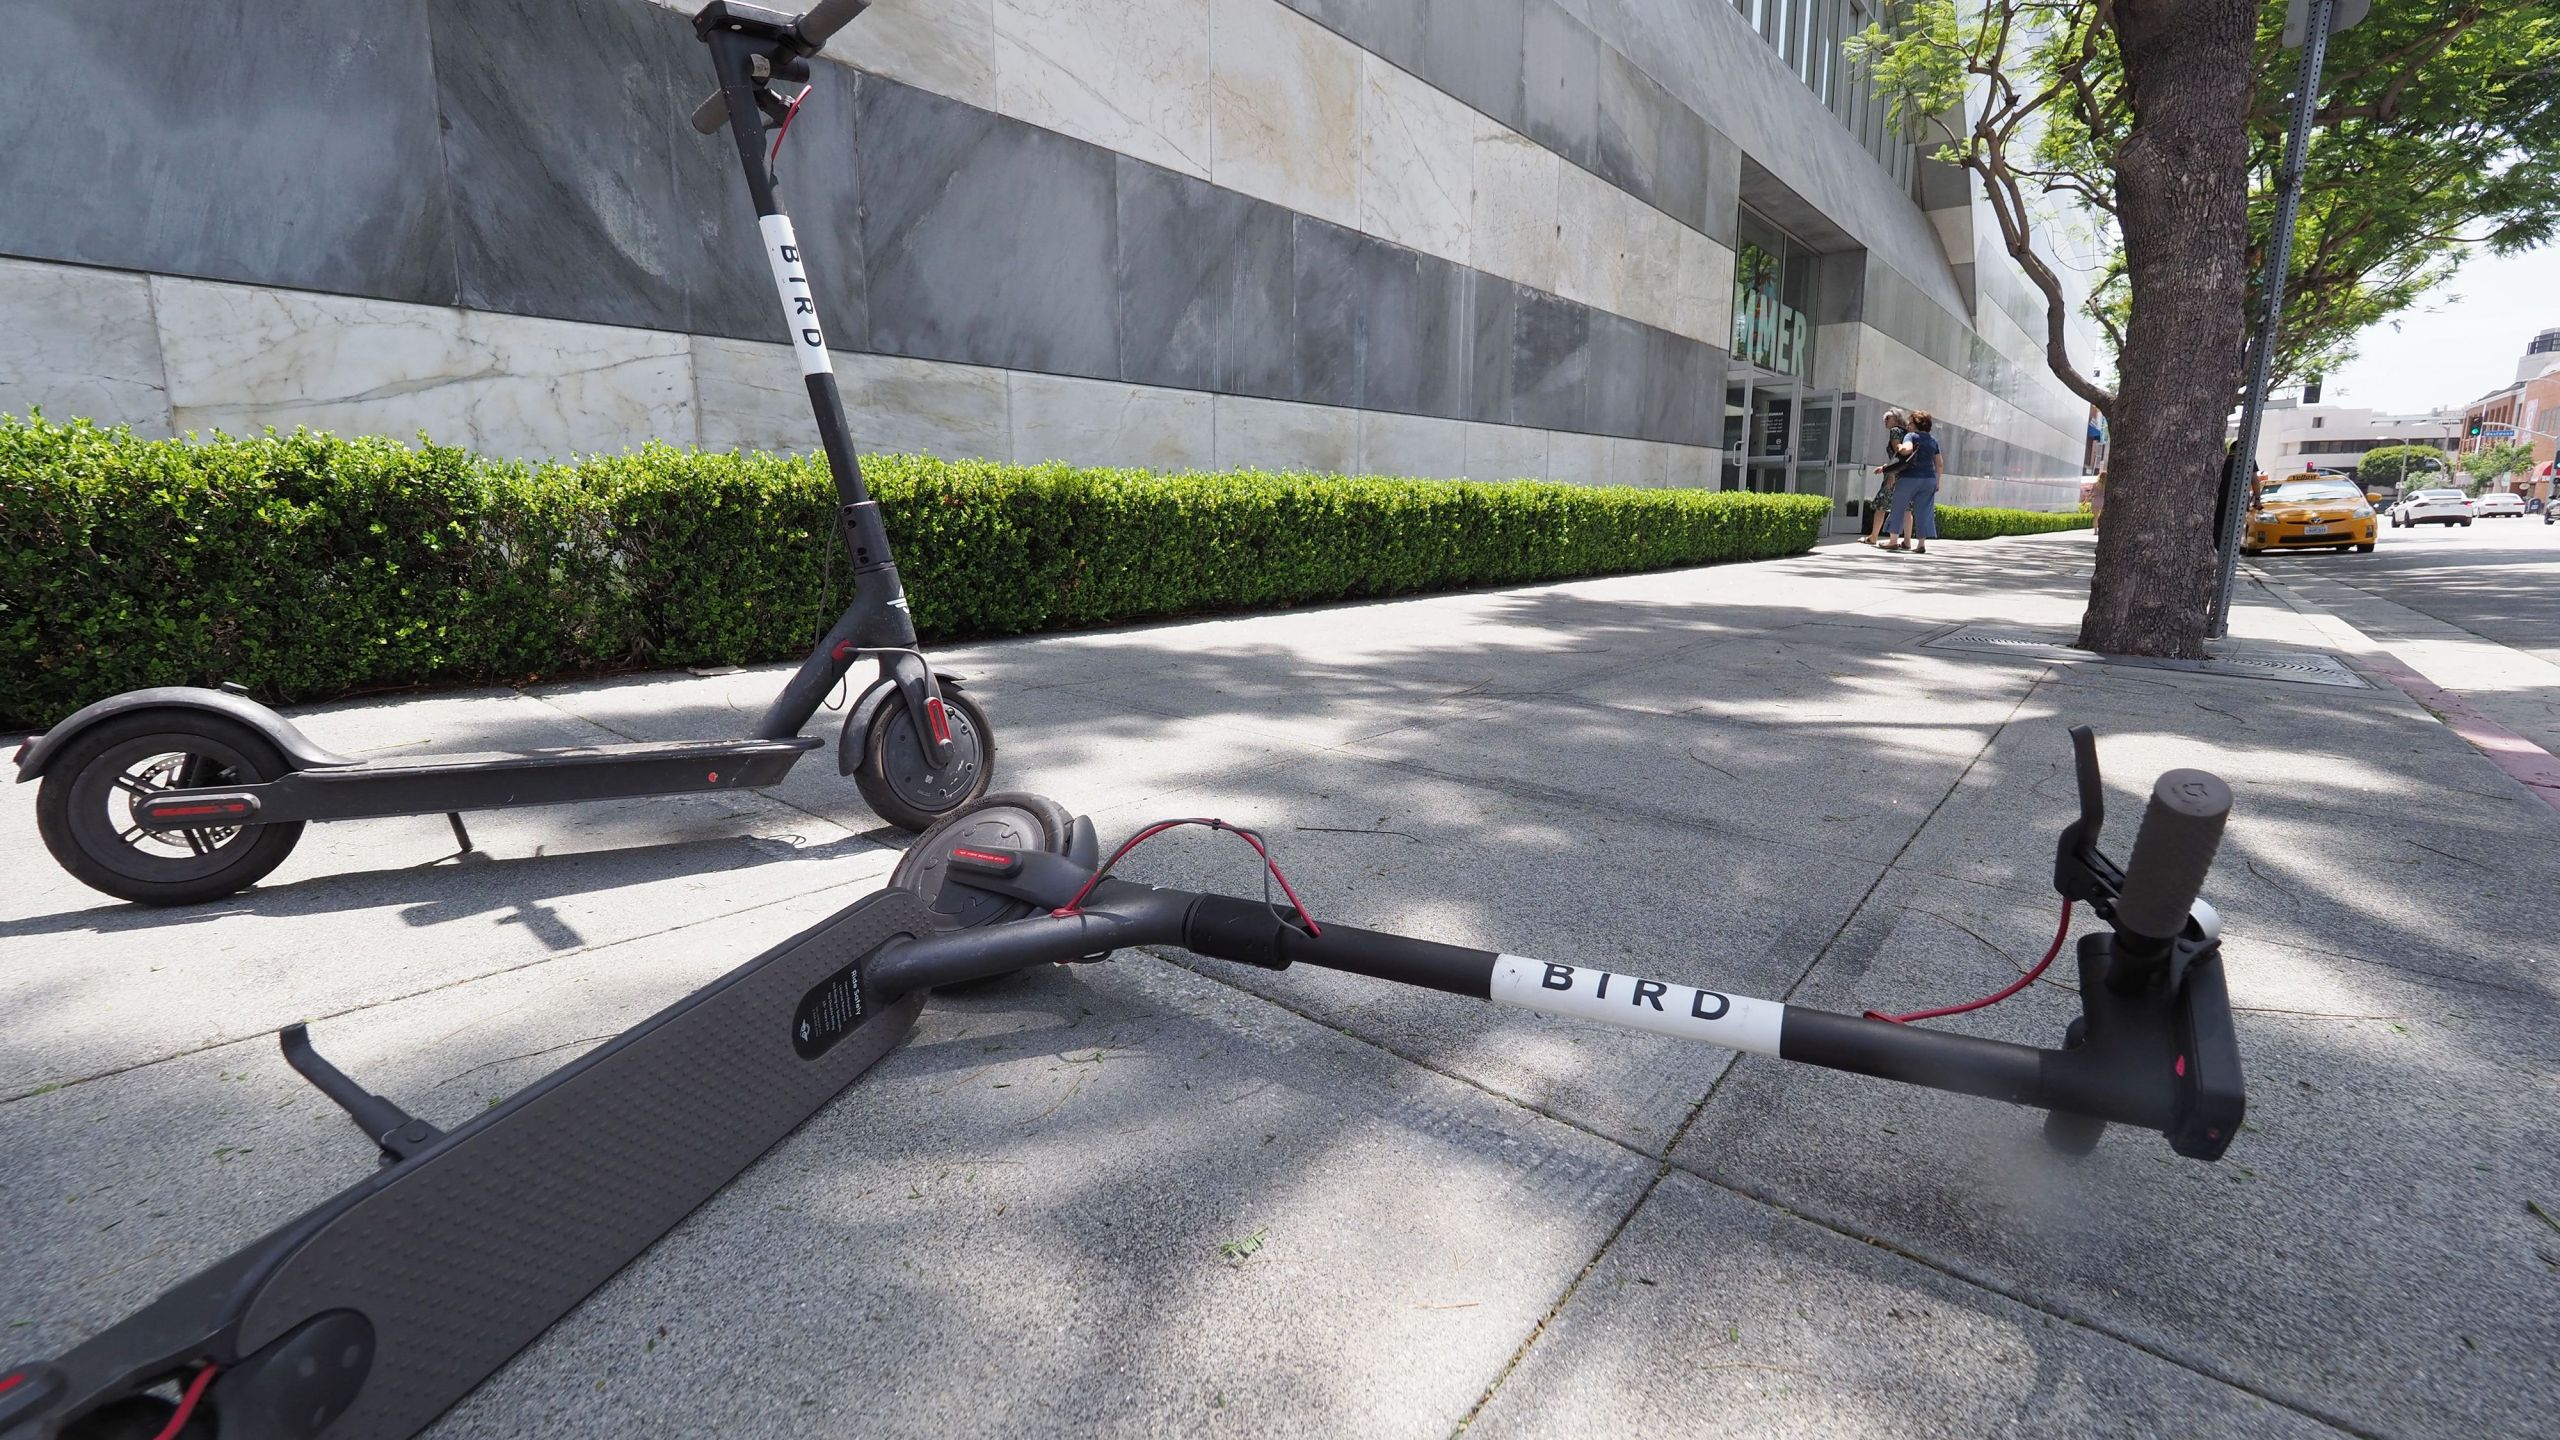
[2262, 347]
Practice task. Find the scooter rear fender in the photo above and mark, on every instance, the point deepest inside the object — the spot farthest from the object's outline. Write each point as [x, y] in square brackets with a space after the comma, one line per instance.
[298, 748]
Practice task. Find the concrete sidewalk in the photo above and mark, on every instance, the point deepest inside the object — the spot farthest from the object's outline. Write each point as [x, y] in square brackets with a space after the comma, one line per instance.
[1151, 1197]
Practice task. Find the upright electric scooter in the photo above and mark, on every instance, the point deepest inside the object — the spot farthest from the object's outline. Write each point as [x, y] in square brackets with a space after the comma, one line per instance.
[370, 1315]
[177, 794]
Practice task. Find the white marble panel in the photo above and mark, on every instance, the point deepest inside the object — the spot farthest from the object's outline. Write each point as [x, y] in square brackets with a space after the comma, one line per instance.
[945, 46]
[1577, 458]
[1417, 162]
[1640, 462]
[1505, 452]
[1649, 280]
[239, 357]
[1702, 297]
[1284, 100]
[80, 344]
[1129, 75]
[1412, 446]
[1598, 261]
[1280, 435]
[1695, 467]
[900, 406]
[750, 397]
[1104, 422]
[1514, 222]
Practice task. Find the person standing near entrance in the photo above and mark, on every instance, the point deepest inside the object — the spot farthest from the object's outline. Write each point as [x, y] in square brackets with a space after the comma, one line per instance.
[1915, 490]
[1895, 430]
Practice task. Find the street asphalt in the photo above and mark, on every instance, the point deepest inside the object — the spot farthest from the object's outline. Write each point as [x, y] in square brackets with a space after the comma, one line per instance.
[1167, 1196]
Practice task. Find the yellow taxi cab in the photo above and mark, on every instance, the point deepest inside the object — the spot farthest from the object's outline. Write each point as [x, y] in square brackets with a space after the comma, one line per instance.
[2310, 512]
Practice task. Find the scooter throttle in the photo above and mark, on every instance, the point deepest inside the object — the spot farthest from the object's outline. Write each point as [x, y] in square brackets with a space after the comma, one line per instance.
[2181, 829]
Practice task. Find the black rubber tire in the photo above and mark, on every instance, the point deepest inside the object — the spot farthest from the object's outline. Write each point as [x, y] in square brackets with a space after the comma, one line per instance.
[78, 786]
[995, 819]
[2365, 549]
[2466, 524]
[892, 776]
[1007, 818]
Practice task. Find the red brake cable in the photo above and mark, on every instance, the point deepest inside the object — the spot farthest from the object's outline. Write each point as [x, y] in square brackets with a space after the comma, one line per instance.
[1271, 870]
[2061, 932]
[187, 1403]
[785, 128]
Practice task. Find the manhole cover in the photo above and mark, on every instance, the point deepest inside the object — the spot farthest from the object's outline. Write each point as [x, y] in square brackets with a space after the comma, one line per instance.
[2290, 667]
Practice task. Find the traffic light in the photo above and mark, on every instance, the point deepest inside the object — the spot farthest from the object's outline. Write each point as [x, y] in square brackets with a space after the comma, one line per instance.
[2475, 429]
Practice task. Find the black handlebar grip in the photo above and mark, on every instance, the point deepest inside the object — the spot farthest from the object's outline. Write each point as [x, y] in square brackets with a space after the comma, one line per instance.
[827, 17]
[2181, 828]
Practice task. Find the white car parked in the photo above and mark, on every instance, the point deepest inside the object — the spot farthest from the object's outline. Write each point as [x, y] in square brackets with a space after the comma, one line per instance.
[2504, 504]
[2433, 507]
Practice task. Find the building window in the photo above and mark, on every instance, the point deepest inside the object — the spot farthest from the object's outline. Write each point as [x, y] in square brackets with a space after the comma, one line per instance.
[2316, 419]
[1773, 277]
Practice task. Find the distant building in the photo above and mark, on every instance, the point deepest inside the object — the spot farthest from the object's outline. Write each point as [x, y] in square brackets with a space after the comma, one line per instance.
[2293, 437]
[2529, 409]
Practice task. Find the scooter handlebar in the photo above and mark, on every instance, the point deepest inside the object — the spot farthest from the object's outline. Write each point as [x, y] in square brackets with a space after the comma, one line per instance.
[827, 17]
[2181, 830]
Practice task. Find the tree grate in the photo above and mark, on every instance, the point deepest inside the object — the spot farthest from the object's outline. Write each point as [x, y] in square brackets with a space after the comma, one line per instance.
[2291, 667]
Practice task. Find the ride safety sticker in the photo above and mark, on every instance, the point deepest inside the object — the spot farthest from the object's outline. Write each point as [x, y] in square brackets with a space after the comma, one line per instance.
[830, 1011]
[1685, 1012]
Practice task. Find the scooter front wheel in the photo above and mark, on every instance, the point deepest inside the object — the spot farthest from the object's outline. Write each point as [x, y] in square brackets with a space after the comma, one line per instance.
[85, 809]
[901, 787]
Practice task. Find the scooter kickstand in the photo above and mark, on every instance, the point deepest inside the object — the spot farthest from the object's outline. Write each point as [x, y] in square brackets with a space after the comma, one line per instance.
[461, 836]
[400, 1134]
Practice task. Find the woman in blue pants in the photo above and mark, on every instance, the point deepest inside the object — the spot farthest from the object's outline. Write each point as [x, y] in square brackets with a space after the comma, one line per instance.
[1915, 491]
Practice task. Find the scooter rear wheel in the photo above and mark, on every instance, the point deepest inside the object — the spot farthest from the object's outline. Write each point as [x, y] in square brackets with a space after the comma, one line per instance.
[897, 783]
[85, 808]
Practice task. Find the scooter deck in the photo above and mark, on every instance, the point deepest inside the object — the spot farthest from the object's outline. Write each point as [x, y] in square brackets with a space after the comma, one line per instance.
[432, 784]
[462, 1255]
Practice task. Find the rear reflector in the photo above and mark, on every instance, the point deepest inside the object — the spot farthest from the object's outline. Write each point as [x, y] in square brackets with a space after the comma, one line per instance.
[196, 810]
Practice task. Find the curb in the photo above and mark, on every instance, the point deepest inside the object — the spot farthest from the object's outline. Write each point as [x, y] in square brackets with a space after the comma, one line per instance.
[2524, 762]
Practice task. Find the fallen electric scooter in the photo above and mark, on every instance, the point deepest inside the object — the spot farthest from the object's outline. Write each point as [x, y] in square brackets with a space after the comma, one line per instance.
[176, 794]
[374, 1313]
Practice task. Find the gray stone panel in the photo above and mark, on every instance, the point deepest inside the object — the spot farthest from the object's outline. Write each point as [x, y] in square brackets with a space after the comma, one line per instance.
[1633, 114]
[1693, 407]
[580, 193]
[1391, 29]
[1687, 153]
[1493, 315]
[282, 142]
[1204, 285]
[1560, 86]
[1414, 358]
[1550, 361]
[1619, 375]
[1473, 51]
[1327, 332]
[988, 240]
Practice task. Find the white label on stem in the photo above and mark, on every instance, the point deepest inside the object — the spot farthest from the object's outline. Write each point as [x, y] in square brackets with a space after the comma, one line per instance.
[799, 307]
[1685, 1012]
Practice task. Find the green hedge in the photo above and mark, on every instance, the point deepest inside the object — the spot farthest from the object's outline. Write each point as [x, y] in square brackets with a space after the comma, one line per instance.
[1986, 522]
[308, 566]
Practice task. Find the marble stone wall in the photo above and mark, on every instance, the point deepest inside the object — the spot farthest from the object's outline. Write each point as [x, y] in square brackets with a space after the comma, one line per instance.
[170, 355]
[1445, 236]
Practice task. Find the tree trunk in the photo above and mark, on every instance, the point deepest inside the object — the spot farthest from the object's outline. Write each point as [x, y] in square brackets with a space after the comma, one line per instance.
[2182, 187]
